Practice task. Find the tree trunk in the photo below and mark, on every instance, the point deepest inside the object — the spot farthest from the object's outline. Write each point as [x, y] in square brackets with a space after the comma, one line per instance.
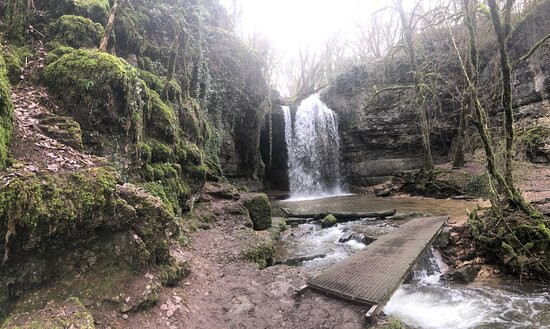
[470, 72]
[109, 27]
[501, 32]
[468, 7]
[417, 77]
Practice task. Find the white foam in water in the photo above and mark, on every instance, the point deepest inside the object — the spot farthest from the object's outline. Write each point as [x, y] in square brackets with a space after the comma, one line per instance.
[428, 303]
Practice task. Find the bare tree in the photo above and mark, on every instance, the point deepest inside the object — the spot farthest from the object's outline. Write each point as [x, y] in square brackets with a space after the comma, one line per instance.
[418, 86]
[509, 191]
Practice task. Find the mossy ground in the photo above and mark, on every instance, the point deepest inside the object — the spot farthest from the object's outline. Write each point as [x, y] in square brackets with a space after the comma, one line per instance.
[6, 114]
[514, 241]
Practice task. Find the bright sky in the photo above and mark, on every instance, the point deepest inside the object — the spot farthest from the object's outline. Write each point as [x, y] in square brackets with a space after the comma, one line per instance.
[292, 23]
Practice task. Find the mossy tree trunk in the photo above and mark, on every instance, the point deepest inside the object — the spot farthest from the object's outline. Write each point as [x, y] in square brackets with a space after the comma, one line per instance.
[109, 27]
[510, 192]
[468, 7]
[418, 87]
[502, 30]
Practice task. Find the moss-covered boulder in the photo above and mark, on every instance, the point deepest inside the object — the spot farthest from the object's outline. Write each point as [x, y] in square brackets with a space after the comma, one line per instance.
[101, 91]
[96, 10]
[260, 211]
[76, 31]
[328, 221]
[6, 114]
[262, 252]
[53, 225]
[62, 128]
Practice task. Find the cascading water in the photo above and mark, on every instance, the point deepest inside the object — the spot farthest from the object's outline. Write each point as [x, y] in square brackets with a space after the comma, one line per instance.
[313, 148]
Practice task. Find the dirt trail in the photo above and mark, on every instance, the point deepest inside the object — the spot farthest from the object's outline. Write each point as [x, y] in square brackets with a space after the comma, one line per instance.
[226, 291]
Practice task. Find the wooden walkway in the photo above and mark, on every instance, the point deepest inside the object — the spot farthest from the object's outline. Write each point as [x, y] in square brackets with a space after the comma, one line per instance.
[371, 276]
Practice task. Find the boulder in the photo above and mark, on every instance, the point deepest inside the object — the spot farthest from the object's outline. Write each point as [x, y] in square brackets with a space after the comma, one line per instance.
[466, 274]
[358, 237]
[260, 211]
[328, 221]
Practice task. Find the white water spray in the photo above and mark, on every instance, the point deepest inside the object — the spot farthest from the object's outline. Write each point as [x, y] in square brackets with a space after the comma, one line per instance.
[313, 150]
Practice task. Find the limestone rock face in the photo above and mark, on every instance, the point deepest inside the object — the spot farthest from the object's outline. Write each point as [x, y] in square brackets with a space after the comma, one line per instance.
[237, 105]
[384, 137]
[531, 86]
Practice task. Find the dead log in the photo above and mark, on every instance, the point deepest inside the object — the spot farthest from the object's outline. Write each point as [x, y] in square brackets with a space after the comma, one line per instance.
[341, 216]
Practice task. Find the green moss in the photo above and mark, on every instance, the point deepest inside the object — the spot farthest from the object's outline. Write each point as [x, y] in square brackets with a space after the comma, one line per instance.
[153, 81]
[260, 211]
[167, 184]
[160, 119]
[145, 152]
[514, 242]
[282, 225]
[15, 16]
[15, 57]
[96, 10]
[172, 274]
[57, 53]
[261, 253]
[102, 92]
[328, 221]
[6, 114]
[76, 31]
[392, 323]
[160, 152]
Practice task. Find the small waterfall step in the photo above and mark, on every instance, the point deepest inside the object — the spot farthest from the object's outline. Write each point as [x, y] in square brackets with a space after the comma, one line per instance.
[371, 276]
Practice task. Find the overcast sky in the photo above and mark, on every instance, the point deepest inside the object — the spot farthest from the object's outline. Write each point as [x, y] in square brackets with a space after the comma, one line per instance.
[292, 23]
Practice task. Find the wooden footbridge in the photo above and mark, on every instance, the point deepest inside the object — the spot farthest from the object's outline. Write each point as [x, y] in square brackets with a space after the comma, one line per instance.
[370, 277]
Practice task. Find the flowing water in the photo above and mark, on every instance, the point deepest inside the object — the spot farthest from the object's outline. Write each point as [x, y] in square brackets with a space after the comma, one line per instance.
[313, 148]
[424, 301]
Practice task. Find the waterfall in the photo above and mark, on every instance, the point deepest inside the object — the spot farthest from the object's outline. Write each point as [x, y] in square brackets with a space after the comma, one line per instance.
[313, 148]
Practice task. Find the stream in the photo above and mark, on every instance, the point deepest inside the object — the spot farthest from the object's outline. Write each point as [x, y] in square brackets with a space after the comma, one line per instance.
[424, 301]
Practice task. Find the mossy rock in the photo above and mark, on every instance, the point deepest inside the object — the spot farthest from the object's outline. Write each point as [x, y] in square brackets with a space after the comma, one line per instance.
[14, 58]
[391, 323]
[97, 10]
[101, 91]
[6, 114]
[516, 242]
[70, 314]
[76, 31]
[260, 211]
[51, 225]
[262, 253]
[328, 221]
[62, 128]
[109, 101]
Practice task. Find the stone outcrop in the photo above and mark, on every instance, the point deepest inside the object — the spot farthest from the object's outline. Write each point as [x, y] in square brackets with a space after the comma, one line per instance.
[381, 136]
[385, 137]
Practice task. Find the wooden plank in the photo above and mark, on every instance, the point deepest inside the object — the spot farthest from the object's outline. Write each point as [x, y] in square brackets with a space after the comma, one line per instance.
[371, 276]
